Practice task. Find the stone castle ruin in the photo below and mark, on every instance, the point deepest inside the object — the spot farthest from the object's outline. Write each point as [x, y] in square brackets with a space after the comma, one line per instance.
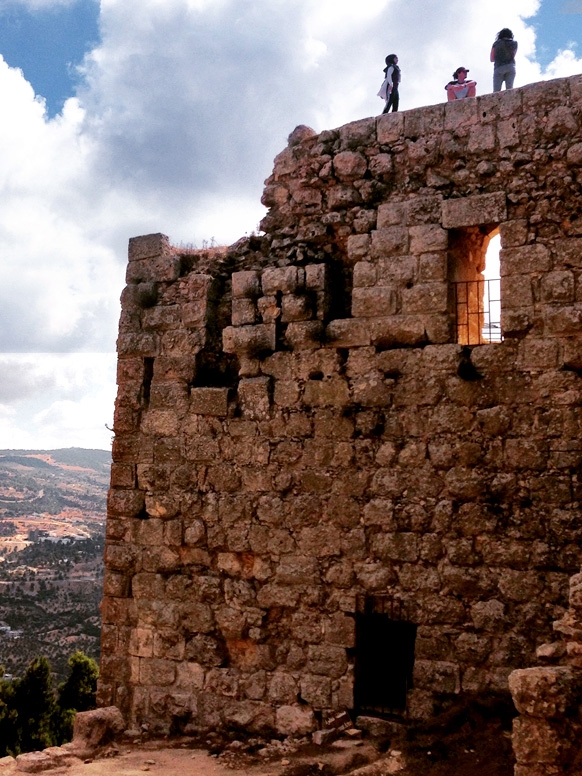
[346, 465]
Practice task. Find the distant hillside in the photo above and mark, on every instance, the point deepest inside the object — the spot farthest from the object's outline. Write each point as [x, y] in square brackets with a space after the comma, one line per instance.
[36, 482]
[70, 456]
[52, 531]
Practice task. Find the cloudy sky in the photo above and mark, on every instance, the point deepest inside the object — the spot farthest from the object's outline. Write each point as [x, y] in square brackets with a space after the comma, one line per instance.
[125, 117]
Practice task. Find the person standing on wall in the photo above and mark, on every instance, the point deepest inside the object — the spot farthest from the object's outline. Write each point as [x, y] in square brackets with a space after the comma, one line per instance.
[460, 87]
[389, 89]
[503, 58]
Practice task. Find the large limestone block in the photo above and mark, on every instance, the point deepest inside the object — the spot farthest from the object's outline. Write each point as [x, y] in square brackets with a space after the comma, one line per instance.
[349, 165]
[364, 274]
[475, 210]
[437, 673]
[284, 279]
[250, 340]
[392, 214]
[316, 277]
[397, 330]
[517, 291]
[390, 241]
[327, 393]
[194, 313]
[541, 741]
[251, 715]
[424, 121]
[305, 335]
[524, 260]
[327, 660]
[7, 765]
[164, 269]
[124, 502]
[209, 401]
[390, 128]
[564, 320]
[381, 166]
[401, 547]
[378, 301]
[568, 252]
[426, 238]
[358, 134]
[255, 397]
[546, 692]
[95, 728]
[558, 287]
[316, 690]
[295, 720]
[426, 298]
[400, 269]
[244, 312]
[358, 246]
[339, 197]
[36, 762]
[295, 307]
[246, 284]
[372, 390]
[348, 333]
[513, 233]
[148, 245]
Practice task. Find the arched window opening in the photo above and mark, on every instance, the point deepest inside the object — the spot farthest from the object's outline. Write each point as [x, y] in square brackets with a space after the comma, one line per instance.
[474, 264]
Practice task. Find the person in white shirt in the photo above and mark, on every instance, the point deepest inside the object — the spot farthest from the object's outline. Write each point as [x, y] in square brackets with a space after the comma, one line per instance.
[461, 87]
[389, 89]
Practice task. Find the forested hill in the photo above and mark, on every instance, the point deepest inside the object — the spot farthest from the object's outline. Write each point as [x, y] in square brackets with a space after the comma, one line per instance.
[50, 481]
[52, 529]
[70, 456]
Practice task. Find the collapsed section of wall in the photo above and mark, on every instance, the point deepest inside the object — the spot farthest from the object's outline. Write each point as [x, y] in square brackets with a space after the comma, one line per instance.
[324, 495]
[546, 737]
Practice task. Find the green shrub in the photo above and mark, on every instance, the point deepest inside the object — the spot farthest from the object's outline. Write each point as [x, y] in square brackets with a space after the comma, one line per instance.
[33, 716]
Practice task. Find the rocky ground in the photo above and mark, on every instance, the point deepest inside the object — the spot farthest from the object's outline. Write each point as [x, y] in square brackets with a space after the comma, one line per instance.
[468, 741]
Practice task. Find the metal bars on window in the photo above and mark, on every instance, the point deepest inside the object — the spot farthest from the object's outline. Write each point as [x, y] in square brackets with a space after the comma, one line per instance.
[478, 311]
[384, 666]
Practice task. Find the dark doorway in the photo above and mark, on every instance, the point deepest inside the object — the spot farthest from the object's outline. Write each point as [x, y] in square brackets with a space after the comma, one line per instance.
[384, 657]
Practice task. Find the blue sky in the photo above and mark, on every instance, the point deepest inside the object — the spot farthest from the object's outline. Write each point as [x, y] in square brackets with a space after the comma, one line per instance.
[558, 25]
[48, 44]
[126, 117]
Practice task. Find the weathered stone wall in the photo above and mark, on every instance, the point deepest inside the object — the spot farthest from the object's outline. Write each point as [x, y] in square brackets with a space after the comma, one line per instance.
[297, 426]
[547, 736]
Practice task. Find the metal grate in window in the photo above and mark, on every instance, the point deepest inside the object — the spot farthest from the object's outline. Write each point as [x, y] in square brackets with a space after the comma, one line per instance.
[384, 656]
[478, 311]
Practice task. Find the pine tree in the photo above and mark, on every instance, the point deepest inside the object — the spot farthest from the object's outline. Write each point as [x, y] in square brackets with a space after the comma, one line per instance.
[77, 693]
[35, 705]
[8, 718]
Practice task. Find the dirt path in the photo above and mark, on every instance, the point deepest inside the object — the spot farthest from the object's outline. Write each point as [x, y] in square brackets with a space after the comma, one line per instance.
[166, 762]
[153, 758]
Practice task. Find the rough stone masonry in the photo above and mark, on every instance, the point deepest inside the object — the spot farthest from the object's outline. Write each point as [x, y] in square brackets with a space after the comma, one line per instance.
[312, 460]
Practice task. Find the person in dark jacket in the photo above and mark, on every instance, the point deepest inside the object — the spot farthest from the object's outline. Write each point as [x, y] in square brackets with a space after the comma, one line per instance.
[392, 81]
[503, 58]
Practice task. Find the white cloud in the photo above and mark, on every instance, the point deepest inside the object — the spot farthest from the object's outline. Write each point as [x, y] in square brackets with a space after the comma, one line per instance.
[49, 401]
[565, 64]
[182, 108]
